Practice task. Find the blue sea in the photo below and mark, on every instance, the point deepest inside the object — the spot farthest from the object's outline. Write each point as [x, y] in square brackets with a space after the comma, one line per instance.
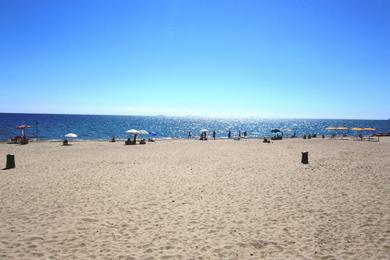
[102, 127]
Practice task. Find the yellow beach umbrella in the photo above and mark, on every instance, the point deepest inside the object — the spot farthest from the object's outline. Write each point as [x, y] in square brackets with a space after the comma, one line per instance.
[369, 129]
[357, 129]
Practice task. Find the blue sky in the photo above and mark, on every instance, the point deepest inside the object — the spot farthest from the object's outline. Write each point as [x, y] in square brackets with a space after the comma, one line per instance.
[271, 59]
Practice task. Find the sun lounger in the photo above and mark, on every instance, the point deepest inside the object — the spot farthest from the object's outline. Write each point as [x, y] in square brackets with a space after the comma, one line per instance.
[367, 138]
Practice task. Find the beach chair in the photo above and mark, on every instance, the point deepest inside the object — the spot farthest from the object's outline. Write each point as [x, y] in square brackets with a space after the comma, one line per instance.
[24, 140]
[143, 141]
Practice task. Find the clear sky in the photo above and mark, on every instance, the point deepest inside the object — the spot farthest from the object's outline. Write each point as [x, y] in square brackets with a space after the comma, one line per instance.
[278, 59]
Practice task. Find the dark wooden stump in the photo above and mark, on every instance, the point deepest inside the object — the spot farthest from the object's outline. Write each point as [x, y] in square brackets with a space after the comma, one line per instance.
[10, 161]
[305, 157]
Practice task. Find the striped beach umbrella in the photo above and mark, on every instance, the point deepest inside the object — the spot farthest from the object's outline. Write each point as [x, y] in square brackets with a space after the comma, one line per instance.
[23, 128]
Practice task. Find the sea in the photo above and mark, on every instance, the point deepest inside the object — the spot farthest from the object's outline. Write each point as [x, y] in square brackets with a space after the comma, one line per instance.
[104, 127]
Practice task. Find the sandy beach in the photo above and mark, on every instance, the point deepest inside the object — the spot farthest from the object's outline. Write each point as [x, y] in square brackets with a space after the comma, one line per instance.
[190, 199]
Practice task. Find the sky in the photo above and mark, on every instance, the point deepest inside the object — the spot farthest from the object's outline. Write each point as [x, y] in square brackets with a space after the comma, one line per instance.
[220, 58]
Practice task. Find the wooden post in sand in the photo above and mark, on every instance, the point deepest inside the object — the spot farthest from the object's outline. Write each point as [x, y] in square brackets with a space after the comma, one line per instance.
[305, 157]
[10, 161]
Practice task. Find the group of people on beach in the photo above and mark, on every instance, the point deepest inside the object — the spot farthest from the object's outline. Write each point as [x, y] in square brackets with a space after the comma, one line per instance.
[203, 134]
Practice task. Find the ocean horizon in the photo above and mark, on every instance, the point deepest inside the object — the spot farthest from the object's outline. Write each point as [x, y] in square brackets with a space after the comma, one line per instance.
[104, 127]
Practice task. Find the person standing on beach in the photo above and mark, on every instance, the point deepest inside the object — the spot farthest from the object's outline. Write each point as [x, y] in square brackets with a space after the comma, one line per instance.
[214, 135]
[189, 134]
[229, 134]
[245, 134]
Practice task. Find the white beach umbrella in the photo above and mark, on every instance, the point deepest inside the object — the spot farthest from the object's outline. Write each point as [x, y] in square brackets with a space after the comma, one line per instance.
[132, 131]
[70, 135]
[143, 132]
[331, 128]
[23, 128]
[203, 130]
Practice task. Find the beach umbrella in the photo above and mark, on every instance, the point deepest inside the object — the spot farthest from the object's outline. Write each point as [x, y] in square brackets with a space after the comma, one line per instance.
[70, 135]
[143, 132]
[343, 128]
[331, 128]
[132, 131]
[357, 129]
[286, 130]
[152, 134]
[203, 130]
[23, 128]
[203, 134]
[369, 129]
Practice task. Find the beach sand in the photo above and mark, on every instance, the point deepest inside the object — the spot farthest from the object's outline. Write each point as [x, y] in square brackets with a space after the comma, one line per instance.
[195, 199]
